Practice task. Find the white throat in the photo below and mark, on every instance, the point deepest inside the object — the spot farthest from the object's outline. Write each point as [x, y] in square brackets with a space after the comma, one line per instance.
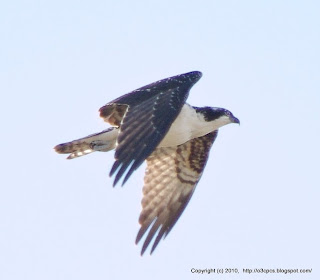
[189, 125]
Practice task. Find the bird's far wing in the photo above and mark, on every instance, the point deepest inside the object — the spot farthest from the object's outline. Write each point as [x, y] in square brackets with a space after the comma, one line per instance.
[171, 177]
[147, 118]
[113, 113]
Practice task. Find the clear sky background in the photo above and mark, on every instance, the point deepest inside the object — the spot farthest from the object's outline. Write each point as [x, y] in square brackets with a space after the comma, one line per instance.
[257, 205]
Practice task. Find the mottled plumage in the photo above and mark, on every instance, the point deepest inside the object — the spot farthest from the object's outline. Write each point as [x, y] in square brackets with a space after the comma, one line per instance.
[154, 123]
[171, 176]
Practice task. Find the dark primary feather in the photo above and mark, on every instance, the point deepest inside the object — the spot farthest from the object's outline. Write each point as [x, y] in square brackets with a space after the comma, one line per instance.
[170, 180]
[150, 113]
[140, 95]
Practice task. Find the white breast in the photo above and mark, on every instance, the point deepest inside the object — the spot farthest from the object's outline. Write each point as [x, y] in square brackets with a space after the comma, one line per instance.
[188, 125]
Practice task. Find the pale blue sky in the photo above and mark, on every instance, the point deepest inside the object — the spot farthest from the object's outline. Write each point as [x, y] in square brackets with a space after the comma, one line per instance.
[257, 203]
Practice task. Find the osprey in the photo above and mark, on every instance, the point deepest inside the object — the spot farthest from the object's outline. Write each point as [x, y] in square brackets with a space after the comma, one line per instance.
[154, 123]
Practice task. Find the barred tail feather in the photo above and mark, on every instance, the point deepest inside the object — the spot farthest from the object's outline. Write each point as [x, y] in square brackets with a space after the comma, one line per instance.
[76, 148]
[103, 141]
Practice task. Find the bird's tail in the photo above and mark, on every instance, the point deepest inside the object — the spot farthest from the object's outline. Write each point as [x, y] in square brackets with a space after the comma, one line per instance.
[103, 141]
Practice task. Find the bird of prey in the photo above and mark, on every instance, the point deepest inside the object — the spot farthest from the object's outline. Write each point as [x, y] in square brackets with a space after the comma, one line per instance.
[155, 124]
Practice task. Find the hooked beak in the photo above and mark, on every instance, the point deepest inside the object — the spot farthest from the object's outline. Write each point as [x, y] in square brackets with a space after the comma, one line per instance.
[235, 120]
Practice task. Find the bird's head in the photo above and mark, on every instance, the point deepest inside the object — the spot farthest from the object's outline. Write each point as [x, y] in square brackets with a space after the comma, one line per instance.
[218, 116]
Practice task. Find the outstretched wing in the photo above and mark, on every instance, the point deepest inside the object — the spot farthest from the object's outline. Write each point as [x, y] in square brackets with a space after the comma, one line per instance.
[171, 177]
[145, 120]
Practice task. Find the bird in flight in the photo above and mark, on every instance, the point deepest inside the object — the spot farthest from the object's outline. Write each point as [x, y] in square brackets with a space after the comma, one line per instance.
[155, 124]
